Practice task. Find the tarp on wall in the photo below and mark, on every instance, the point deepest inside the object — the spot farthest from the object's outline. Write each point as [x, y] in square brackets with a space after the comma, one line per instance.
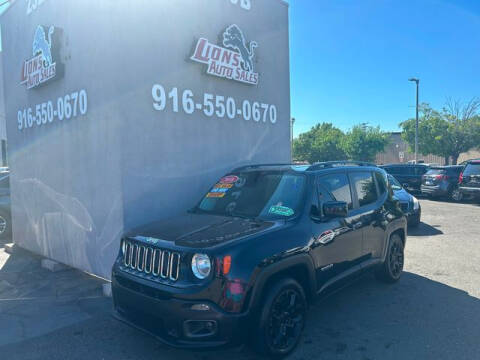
[123, 112]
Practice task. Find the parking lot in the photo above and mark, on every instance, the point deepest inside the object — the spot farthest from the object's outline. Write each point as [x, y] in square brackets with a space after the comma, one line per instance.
[432, 313]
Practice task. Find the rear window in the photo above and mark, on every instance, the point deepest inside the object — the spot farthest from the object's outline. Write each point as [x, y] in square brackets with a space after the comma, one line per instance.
[472, 169]
[381, 182]
[436, 172]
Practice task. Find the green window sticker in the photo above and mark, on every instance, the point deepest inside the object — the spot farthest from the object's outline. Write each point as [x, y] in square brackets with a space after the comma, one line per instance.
[281, 210]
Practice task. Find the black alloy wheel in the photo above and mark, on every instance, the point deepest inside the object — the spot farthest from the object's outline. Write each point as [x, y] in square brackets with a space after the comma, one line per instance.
[391, 269]
[282, 319]
[396, 259]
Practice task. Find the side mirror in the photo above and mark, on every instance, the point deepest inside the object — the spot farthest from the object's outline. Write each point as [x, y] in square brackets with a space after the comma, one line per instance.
[334, 209]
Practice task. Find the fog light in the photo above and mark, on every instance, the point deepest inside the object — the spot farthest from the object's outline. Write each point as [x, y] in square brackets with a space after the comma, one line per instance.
[199, 328]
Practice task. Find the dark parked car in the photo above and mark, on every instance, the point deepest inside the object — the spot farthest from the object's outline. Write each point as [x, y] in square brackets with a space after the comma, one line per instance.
[442, 181]
[469, 182]
[408, 203]
[244, 263]
[409, 175]
[5, 215]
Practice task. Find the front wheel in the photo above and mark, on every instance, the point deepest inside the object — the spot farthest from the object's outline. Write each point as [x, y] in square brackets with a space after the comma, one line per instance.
[392, 268]
[282, 319]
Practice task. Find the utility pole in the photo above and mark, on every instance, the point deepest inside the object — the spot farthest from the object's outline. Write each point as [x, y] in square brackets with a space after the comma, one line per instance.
[417, 81]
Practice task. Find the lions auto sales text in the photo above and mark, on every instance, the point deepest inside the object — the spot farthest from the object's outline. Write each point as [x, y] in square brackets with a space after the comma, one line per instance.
[212, 105]
[64, 107]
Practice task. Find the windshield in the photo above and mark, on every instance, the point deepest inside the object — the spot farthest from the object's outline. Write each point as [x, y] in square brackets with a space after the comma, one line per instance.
[394, 183]
[255, 194]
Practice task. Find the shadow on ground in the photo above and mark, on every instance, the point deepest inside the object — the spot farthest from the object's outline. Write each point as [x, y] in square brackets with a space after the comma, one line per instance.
[424, 229]
[62, 316]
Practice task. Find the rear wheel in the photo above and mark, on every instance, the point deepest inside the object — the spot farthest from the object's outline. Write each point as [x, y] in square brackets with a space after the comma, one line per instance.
[282, 319]
[456, 195]
[391, 270]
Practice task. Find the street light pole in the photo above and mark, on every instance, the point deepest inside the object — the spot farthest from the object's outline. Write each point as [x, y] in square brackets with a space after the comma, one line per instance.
[292, 121]
[417, 81]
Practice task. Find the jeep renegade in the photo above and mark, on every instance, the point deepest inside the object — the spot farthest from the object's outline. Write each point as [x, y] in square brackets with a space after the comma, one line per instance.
[244, 263]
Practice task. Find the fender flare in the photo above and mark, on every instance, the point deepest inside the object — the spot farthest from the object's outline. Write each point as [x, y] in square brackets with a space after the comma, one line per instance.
[266, 273]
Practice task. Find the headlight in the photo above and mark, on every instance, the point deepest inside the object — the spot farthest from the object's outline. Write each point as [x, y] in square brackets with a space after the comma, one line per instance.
[201, 265]
[123, 246]
[416, 204]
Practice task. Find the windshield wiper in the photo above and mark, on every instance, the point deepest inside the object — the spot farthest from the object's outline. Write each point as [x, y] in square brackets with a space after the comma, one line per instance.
[244, 216]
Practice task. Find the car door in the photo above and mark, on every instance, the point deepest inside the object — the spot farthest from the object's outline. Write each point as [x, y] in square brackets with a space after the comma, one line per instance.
[337, 243]
[369, 193]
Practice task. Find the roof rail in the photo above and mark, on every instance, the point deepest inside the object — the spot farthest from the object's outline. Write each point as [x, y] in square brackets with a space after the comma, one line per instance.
[245, 167]
[331, 164]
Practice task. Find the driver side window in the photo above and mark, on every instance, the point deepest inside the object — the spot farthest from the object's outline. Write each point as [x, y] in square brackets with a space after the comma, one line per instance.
[338, 186]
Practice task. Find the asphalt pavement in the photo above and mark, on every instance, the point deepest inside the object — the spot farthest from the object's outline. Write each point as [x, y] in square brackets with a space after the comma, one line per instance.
[433, 312]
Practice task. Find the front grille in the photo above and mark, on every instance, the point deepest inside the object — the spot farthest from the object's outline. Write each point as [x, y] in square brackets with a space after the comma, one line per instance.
[404, 206]
[149, 260]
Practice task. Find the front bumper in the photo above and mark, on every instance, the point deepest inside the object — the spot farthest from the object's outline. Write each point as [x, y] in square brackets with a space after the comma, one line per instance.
[169, 318]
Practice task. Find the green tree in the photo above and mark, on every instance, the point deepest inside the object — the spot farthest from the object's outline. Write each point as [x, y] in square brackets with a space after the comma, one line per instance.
[322, 143]
[364, 142]
[447, 133]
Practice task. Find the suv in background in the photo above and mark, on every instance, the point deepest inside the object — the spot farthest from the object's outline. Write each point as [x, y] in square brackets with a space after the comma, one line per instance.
[442, 181]
[469, 182]
[408, 203]
[246, 260]
[409, 175]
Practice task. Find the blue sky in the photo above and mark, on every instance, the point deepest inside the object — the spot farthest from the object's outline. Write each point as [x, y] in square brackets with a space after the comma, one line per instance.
[350, 59]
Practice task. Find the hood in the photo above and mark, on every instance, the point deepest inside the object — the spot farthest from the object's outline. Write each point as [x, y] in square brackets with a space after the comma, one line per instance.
[402, 195]
[201, 230]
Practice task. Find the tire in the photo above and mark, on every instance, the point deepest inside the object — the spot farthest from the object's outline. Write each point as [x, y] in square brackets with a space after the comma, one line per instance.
[391, 270]
[280, 323]
[5, 224]
[456, 195]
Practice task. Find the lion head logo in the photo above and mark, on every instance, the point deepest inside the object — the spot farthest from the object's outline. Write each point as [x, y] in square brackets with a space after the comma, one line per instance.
[233, 39]
[42, 45]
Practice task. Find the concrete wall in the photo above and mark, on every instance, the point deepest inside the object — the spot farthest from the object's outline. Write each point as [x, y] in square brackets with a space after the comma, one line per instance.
[77, 184]
[397, 146]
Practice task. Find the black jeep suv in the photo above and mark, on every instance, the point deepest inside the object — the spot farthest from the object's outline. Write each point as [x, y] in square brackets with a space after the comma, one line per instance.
[469, 182]
[246, 260]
